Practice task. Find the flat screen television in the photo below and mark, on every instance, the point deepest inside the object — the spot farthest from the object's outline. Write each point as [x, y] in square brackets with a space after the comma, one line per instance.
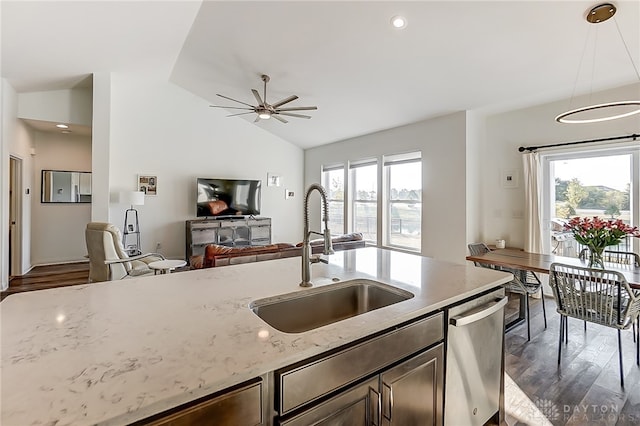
[228, 197]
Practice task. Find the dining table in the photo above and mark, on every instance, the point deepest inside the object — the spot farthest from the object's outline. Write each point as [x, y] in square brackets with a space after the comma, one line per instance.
[541, 263]
[520, 260]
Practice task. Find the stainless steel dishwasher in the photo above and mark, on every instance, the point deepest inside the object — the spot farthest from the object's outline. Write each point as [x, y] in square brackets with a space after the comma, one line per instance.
[475, 353]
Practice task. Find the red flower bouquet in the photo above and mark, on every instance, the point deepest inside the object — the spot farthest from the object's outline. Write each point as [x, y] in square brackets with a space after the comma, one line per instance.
[596, 234]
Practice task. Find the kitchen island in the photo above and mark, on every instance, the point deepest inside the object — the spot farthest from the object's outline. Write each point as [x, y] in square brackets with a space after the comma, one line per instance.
[119, 352]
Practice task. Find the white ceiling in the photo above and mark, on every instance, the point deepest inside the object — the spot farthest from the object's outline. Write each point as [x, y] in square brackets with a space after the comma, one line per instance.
[344, 57]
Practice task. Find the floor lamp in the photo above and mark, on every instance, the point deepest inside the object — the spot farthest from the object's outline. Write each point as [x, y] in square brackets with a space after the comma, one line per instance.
[131, 225]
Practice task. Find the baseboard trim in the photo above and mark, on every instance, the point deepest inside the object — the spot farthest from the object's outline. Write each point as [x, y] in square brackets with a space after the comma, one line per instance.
[68, 262]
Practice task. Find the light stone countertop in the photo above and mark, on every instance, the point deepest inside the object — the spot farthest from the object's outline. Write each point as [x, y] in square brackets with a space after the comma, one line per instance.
[116, 352]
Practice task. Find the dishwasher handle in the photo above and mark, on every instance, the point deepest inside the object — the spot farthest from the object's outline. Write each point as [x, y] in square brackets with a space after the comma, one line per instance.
[476, 314]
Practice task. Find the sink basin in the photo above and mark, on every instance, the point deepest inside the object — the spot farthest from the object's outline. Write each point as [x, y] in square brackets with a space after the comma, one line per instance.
[309, 309]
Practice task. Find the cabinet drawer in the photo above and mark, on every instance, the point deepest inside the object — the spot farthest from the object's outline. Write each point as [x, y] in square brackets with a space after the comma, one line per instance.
[241, 407]
[303, 384]
[204, 225]
[259, 232]
[203, 236]
[232, 223]
[259, 222]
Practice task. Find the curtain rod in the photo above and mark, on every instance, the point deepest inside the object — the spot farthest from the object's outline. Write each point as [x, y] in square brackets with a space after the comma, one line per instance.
[633, 136]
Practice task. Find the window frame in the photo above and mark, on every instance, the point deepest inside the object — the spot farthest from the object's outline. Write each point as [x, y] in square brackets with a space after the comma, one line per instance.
[387, 163]
[325, 184]
[353, 167]
[548, 186]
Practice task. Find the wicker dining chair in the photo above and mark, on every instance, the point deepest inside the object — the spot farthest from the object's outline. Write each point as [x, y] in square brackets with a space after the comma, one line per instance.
[618, 257]
[524, 282]
[622, 259]
[598, 296]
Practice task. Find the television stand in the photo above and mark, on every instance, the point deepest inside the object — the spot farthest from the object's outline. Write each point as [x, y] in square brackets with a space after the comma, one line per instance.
[227, 231]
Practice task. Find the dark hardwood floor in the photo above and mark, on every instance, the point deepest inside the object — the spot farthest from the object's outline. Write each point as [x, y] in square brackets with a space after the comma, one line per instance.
[585, 390]
[43, 277]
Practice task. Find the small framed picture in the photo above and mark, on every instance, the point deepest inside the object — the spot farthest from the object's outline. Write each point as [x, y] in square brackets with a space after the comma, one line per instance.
[273, 179]
[148, 184]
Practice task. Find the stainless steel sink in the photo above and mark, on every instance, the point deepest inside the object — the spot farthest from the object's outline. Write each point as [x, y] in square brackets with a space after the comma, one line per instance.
[309, 309]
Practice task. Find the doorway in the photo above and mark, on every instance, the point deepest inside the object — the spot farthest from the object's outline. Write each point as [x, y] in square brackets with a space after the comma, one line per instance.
[15, 217]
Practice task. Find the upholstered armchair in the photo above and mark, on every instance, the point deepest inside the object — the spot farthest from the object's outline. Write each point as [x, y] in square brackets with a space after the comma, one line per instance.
[107, 258]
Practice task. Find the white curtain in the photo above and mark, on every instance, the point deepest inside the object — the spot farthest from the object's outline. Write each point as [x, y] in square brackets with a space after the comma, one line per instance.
[533, 202]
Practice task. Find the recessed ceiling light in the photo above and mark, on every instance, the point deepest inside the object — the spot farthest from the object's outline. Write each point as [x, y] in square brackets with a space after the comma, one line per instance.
[398, 22]
[62, 126]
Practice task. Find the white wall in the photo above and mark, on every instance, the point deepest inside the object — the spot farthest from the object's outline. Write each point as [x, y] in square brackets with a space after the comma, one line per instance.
[502, 209]
[7, 100]
[17, 140]
[442, 141]
[474, 167]
[159, 129]
[61, 106]
[58, 228]
[100, 136]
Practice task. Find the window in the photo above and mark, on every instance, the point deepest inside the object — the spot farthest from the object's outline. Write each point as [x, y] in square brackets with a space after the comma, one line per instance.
[403, 184]
[596, 183]
[333, 183]
[364, 184]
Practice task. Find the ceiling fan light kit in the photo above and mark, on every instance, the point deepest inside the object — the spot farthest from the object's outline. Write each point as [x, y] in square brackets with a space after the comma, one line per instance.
[609, 110]
[264, 110]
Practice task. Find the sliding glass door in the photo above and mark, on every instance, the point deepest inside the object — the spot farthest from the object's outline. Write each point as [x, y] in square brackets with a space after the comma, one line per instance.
[602, 182]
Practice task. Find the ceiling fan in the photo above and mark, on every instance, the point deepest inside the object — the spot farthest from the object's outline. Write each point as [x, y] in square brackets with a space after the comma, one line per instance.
[265, 110]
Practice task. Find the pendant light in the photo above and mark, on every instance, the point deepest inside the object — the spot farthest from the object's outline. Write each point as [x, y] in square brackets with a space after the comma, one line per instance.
[610, 110]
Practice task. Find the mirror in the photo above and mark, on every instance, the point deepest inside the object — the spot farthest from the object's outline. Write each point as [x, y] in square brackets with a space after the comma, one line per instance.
[60, 186]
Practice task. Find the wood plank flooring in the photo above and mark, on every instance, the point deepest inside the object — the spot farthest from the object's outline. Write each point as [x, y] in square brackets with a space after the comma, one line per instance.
[585, 390]
[43, 277]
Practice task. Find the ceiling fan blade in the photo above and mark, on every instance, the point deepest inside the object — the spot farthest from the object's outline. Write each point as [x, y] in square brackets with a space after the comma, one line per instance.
[298, 108]
[279, 118]
[293, 115]
[285, 101]
[240, 113]
[235, 100]
[257, 95]
[229, 107]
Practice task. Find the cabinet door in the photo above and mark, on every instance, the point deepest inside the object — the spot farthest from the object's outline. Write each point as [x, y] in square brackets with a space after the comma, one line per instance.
[260, 233]
[226, 236]
[412, 391]
[358, 406]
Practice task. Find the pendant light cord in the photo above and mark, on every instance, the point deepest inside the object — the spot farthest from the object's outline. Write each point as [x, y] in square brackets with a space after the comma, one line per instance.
[627, 49]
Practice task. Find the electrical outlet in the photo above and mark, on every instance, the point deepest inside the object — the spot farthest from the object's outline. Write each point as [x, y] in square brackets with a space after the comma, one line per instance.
[288, 194]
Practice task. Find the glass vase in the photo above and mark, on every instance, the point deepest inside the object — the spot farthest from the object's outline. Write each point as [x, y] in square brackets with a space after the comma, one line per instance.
[595, 257]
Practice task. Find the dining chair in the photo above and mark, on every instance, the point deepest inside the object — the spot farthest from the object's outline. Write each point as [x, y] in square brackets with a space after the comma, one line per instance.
[622, 259]
[598, 296]
[524, 282]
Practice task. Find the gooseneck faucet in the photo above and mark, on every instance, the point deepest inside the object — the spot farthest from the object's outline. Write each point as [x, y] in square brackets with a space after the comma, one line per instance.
[307, 260]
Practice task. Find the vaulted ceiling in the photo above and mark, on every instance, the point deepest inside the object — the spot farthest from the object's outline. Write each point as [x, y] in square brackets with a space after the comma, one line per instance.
[345, 57]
